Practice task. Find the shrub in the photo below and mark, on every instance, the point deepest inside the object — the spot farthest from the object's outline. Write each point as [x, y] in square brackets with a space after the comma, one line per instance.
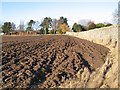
[51, 32]
[109, 24]
[77, 27]
[99, 25]
[91, 25]
[60, 31]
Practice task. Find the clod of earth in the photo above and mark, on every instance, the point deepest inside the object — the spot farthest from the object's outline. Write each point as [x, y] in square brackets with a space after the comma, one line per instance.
[47, 61]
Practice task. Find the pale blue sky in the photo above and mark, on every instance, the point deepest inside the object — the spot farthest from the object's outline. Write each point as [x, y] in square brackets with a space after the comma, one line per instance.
[74, 11]
[59, 0]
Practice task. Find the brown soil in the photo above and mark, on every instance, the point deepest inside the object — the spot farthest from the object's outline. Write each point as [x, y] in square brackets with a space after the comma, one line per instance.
[47, 61]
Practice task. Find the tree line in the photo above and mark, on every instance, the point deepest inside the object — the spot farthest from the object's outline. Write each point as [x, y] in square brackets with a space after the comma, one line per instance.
[52, 26]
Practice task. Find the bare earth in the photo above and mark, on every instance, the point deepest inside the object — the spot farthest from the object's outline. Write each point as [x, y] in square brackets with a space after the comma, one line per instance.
[48, 60]
[107, 75]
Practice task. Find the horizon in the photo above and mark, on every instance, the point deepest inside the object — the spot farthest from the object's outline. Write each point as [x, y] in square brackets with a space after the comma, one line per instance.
[99, 12]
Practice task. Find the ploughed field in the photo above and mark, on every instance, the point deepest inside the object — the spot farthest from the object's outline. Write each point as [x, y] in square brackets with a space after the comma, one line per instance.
[48, 60]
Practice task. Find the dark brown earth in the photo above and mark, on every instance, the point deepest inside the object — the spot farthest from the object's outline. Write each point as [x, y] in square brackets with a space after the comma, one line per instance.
[47, 61]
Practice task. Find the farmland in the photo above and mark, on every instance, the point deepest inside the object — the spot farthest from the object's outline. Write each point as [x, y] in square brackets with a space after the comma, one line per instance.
[48, 60]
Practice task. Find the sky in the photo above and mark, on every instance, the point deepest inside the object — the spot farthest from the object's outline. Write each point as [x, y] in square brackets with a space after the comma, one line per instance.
[59, 0]
[74, 11]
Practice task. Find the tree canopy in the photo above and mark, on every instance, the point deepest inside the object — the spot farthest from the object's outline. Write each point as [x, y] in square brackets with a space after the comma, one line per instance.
[30, 25]
[46, 24]
[77, 27]
[64, 28]
[91, 25]
[54, 26]
[7, 27]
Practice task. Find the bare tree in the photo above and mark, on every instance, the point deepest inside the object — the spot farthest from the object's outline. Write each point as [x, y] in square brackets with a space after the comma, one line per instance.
[21, 26]
[84, 22]
[115, 16]
[91, 25]
[13, 26]
[54, 25]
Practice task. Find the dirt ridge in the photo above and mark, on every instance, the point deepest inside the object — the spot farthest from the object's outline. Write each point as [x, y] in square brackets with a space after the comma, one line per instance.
[47, 61]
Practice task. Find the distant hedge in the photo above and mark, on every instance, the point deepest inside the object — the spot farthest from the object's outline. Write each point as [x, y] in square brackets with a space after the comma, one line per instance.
[100, 25]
